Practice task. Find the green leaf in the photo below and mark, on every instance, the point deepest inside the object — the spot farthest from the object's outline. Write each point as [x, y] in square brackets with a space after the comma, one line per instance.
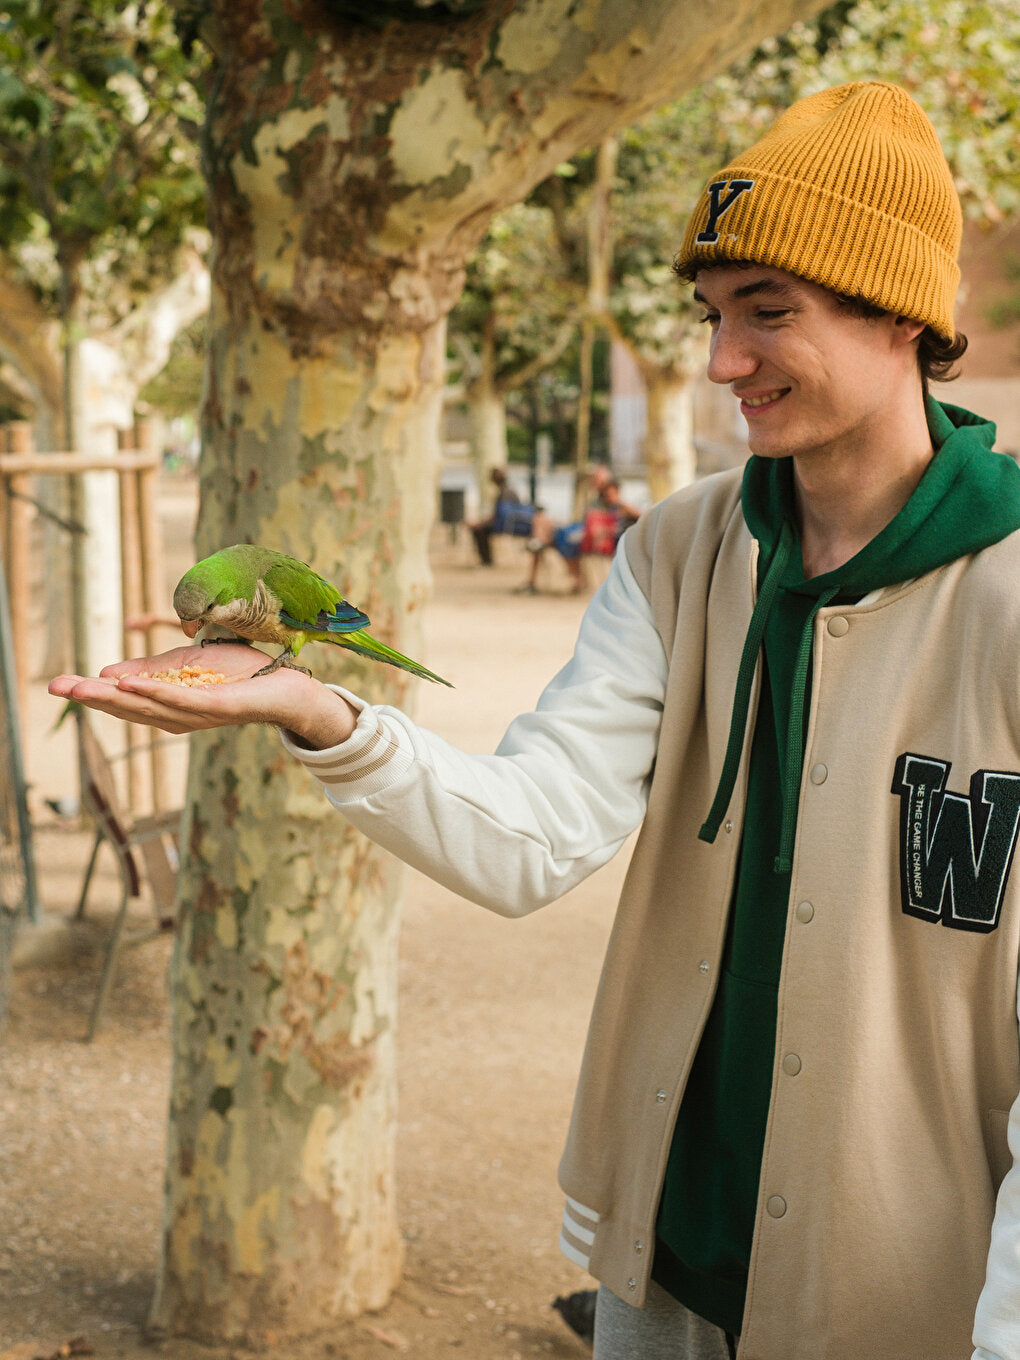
[95, 158]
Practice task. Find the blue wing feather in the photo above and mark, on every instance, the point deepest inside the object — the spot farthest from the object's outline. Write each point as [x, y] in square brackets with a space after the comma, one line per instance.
[345, 618]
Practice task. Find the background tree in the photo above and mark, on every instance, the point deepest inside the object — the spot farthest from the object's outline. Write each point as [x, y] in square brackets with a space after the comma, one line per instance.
[355, 155]
[101, 205]
[662, 164]
[515, 318]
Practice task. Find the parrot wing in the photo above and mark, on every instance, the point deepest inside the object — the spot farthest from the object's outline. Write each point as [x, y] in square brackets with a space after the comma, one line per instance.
[309, 602]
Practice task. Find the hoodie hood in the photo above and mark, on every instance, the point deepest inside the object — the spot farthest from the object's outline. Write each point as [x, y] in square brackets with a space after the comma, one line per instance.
[967, 499]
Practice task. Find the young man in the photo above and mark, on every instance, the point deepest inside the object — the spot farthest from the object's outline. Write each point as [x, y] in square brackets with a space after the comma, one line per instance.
[791, 1122]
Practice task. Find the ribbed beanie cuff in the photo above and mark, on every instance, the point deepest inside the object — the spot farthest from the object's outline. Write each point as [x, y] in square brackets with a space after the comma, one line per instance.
[849, 188]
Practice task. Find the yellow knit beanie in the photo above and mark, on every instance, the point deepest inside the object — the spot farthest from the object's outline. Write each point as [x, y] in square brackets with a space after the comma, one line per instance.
[849, 188]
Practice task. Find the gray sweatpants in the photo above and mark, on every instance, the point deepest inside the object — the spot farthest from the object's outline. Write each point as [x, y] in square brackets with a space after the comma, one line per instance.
[662, 1330]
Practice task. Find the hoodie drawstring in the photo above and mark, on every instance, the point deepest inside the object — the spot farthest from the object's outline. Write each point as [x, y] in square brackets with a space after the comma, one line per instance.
[793, 764]
[745, 678]
[795, 738]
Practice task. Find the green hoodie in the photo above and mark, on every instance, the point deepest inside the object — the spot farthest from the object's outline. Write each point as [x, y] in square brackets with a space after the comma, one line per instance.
[967, 499]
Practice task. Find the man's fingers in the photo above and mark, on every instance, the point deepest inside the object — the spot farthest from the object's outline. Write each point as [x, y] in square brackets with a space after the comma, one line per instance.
[63, 686]
[173, 708]
[148, 715]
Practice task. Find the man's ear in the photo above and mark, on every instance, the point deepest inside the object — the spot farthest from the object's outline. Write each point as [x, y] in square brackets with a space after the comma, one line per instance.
[907, 329]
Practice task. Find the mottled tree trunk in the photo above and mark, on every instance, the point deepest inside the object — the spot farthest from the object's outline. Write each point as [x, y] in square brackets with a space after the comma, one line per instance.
[486, 400]
[351, 170]
[280, 1212]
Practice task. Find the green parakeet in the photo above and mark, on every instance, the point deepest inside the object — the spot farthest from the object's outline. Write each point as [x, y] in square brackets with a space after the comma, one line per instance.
[265, 596]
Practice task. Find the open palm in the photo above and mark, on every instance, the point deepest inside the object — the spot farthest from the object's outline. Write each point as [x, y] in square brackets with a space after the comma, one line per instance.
[126, 690]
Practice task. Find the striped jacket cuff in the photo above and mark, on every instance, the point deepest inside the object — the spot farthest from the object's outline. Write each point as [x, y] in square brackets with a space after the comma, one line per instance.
[377, 754]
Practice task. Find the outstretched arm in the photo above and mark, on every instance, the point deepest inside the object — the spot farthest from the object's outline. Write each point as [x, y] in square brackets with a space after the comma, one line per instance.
[317, 716]
[512, 830]
[566, 786]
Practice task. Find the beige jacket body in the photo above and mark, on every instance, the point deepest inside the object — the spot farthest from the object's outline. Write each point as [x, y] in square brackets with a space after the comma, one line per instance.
[897, 1051]
[897, 1059]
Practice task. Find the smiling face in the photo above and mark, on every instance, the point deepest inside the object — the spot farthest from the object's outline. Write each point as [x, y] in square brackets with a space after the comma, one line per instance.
[810, 377]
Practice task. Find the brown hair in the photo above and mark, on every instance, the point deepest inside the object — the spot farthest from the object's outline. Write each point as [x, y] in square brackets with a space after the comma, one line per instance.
[936, 355]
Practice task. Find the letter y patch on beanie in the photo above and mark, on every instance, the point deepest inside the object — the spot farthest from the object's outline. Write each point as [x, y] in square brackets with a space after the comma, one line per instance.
[718, 204]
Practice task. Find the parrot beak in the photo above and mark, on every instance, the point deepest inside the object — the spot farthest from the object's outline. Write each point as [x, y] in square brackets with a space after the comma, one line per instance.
[190, 627]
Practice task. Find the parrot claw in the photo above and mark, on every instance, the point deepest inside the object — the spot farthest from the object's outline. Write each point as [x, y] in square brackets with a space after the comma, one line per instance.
[284, 659]
[215, 641]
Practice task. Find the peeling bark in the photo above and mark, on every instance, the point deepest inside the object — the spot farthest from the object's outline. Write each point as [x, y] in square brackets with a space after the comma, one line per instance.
[280, 1180]
[350, 170]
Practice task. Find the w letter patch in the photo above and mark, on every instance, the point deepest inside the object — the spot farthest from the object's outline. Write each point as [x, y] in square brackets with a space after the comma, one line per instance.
[720, 202]
[955, 852]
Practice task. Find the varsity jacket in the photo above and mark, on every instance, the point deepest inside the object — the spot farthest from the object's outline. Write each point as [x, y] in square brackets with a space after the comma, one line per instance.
[888, 1218]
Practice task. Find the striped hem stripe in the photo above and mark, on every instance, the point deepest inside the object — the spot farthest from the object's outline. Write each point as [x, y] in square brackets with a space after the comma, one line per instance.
[363, 766]
[578, 1232]
[364, 748]
[572, 1254]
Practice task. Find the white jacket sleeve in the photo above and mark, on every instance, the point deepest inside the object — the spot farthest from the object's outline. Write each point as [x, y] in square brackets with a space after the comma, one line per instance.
[565, 787]
[997, 1323]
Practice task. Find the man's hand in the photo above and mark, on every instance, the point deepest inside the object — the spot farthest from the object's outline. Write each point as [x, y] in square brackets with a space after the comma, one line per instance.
[317, 716]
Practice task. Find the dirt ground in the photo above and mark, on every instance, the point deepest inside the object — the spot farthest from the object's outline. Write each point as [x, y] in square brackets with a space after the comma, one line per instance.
[492, 1023]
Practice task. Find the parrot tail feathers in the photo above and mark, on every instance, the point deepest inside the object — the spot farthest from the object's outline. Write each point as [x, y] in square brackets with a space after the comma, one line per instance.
[366, 645]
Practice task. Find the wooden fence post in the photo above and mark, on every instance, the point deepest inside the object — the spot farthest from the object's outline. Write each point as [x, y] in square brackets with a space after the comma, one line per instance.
[143, 574]
[153, 584]
[132, 605]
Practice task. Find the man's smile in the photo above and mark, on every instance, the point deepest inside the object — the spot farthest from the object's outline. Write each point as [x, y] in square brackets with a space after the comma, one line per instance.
[756, 401]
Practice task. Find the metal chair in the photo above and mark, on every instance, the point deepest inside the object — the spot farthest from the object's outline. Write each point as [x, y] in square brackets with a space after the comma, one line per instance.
[152, 840]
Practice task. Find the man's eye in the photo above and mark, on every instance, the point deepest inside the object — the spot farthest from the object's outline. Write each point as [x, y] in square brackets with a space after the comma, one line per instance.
[772, 313]
[711, 317]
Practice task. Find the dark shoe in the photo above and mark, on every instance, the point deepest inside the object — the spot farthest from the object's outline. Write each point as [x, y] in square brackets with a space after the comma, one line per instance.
[578, 1312]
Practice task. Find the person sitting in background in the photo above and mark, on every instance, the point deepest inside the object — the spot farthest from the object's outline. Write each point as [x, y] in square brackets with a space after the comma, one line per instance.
[620, 515]
[509, 516]
[597, 534]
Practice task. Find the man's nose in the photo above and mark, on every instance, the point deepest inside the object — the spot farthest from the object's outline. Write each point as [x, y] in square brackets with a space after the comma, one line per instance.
[730, 357]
